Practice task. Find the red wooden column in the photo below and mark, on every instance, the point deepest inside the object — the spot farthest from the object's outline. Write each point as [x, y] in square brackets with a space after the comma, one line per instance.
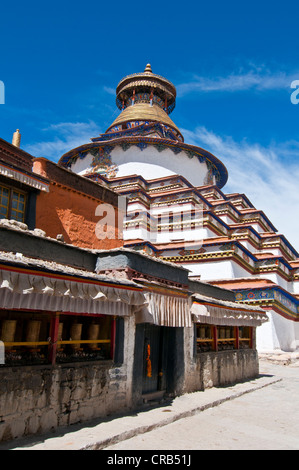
[53, 337]
[215, 337]
[112, 338]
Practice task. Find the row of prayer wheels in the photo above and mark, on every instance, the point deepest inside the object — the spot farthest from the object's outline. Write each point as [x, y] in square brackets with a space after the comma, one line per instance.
[9, 331]
[76, 332]
[226, 332]
[204, 332]
[33, 332]
[223, 332]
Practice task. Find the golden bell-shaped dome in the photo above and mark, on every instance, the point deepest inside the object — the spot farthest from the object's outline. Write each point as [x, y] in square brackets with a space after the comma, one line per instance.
[143, 112]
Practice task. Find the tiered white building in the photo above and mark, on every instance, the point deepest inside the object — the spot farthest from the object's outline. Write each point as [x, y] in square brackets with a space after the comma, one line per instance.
[177, 210]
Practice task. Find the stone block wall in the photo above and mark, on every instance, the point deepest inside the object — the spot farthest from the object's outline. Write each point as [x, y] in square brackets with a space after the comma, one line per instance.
[36, 399]
[216, 369]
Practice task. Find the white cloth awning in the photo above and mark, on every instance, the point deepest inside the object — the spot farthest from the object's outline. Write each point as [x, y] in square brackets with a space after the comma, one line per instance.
[165, 310]
[24, 178]
[19, 290]
[221, 312]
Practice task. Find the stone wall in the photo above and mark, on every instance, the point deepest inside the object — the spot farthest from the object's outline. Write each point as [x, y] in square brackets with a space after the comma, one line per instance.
[216, 369]
[38, 399]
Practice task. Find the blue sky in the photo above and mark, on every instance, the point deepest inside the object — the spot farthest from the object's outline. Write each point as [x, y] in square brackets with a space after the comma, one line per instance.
[232, 64]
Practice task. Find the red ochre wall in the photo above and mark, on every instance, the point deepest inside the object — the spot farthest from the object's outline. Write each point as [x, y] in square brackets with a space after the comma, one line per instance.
[70, 205]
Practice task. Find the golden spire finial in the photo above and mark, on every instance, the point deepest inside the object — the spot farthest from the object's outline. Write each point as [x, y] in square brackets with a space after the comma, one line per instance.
[148, 68]
[16, 140]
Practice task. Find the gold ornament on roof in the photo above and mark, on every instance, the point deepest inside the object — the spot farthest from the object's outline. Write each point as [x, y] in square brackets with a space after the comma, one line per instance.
[148, 68]
[16, 139]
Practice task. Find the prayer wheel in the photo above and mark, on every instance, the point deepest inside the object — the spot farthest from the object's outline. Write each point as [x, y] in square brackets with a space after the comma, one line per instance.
[8, 331]
[93, 333]
[33, 329]
[60, 329]
[202, 332]
[76, 331]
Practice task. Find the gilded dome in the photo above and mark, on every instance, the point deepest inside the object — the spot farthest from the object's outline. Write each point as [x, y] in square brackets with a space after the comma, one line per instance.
[143, 112]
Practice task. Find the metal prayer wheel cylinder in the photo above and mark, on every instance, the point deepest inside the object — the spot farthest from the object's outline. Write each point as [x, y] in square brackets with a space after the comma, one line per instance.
[8, 331]
[202, 332]
[32, 332]
[76, 331]
[93, 333]
[59, 334]
[227, 332]
[222, 333]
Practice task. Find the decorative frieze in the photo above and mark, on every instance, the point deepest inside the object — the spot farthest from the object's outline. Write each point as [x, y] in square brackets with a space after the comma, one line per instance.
[270, 297]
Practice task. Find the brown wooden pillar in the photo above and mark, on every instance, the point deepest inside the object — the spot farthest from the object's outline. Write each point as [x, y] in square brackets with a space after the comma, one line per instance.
[53, 337]
[215, 337]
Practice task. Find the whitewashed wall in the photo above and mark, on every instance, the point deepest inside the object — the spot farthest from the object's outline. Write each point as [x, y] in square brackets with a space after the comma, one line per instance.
[277, 333]
[150, 163]
[208, 271]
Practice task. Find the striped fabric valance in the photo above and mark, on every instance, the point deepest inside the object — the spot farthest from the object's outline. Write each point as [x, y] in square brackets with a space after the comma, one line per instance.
[165, 310]
[19, 290]
[221, 312]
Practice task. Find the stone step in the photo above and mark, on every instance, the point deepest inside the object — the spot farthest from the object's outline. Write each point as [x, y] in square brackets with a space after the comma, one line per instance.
[153, 396]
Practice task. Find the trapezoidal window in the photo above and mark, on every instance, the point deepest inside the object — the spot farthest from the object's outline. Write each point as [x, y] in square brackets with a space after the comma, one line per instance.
[12, 203]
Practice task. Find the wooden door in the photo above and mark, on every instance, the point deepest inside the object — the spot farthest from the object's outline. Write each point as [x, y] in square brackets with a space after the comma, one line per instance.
[152, 358]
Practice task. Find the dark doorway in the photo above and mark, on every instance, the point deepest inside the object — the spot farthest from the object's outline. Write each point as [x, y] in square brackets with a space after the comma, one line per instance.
[158, 370]
[152, 359]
